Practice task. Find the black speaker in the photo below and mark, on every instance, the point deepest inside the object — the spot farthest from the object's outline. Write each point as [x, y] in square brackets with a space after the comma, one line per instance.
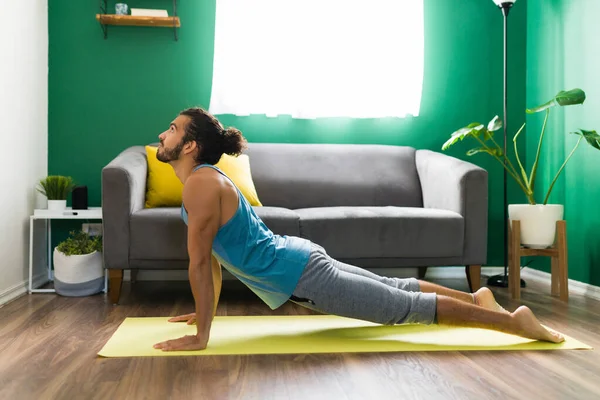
[80, 198]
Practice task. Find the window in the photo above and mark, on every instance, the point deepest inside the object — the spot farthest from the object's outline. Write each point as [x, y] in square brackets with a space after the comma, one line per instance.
[318, 58]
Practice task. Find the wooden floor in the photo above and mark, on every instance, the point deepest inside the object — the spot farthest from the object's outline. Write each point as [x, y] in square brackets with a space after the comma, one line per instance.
[48, 347]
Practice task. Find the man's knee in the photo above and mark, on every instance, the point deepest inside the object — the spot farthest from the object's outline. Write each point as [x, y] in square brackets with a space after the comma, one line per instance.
[409, 285]
[423, 309]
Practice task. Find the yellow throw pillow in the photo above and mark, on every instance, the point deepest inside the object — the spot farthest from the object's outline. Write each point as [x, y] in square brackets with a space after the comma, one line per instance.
[238, 170]
[163, 188]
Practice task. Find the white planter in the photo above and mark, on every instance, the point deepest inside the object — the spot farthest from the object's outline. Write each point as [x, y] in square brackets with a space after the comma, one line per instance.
[538, 223]
[78, 275]
[57, 205]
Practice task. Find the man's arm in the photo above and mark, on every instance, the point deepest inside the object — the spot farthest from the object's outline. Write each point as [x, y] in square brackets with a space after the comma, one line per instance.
[201, 197]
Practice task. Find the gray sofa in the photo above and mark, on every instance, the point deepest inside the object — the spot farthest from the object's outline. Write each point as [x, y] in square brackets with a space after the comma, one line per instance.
[367, 205]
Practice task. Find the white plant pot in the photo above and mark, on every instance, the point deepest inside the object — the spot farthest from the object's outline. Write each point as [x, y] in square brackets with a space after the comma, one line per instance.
[538, 223]
[57, 205]
[78, 275]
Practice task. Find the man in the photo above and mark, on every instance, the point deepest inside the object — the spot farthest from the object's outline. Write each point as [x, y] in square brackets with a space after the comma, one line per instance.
[277, 268]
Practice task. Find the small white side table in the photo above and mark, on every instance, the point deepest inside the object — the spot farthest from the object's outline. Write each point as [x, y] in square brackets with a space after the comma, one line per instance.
[48, 216]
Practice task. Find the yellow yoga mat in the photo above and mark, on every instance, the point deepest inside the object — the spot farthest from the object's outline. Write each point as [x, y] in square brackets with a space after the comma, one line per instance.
[312, 334]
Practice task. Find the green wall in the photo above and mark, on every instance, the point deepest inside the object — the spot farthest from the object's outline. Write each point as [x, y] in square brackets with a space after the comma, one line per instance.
[562, 53]
[106, 95]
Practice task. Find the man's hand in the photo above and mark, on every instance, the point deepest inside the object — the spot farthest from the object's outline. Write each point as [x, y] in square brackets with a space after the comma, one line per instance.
[188, 342]
[189, 318]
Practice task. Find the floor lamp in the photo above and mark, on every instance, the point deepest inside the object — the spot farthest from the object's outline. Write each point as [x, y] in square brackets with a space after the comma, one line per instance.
[502, 280]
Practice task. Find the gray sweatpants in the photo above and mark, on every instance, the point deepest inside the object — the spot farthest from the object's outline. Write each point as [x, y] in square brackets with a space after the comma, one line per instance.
[332, 287]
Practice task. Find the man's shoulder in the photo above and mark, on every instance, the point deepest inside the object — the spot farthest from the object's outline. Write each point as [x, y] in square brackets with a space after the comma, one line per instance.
[204, 176]
[202, 184]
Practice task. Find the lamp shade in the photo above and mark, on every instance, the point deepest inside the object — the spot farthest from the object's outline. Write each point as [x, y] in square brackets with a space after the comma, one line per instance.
[500, 2]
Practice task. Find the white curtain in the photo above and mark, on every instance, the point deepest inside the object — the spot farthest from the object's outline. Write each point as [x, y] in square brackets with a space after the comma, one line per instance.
[318, 58]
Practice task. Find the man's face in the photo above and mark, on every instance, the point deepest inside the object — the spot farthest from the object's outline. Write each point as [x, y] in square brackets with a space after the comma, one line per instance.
[171, 140]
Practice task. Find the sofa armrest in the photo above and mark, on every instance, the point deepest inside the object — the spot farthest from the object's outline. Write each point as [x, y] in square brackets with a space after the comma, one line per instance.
[452, 184]
[123, 193]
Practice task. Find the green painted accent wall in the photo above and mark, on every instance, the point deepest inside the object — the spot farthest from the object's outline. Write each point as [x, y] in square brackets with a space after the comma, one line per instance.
[562, 53]
[106, 95]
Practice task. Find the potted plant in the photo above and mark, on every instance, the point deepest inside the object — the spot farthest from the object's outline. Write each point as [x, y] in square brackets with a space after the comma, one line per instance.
[78, 266]
[538, 221]
[56, 188]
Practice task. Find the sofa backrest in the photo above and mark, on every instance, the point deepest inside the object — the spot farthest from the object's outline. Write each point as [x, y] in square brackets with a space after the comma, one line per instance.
[320, 175]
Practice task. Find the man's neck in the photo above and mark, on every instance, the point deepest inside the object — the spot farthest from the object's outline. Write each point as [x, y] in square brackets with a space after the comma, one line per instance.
[183, 168]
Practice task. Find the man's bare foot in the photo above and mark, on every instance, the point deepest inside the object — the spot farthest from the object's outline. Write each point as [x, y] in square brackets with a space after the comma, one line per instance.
[485, 298]
[528, 326]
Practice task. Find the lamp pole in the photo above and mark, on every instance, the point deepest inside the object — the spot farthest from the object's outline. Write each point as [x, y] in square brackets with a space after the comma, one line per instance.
[502, 280]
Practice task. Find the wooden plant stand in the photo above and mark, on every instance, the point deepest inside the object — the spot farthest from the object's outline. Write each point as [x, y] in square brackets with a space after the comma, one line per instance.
[558, 253]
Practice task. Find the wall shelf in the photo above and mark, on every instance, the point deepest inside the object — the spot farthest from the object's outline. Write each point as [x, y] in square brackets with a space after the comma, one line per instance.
[129, 20]
[106, 19]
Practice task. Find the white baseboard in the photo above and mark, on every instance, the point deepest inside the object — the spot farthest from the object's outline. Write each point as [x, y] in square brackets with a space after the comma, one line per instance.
[20, 289]
[182, 275]
[575, 287]
[459, 272]
[166, 275]
[432, 272]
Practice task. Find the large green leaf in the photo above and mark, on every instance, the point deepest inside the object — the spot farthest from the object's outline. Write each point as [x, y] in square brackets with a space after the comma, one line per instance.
[473, 128]
[562, 98]
[592, 137]
[494, 124]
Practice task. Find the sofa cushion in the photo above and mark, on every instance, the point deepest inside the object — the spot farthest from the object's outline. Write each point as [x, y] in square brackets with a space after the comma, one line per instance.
[382, 232]
[281, 221]
[158, 233]
[320, 175]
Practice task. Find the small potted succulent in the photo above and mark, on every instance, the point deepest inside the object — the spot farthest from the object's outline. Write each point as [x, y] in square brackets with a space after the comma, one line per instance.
[78, 266]
[56, 188]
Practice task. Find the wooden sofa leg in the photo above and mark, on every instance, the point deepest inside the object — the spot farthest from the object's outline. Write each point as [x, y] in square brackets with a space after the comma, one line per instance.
[474, 277]
[115, 282]
[422, 272]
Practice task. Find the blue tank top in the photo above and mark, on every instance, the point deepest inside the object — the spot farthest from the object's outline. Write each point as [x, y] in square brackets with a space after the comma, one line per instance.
[269, 264]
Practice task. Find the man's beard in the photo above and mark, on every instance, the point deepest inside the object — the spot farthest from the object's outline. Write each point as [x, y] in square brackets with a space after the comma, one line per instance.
[168, 155]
